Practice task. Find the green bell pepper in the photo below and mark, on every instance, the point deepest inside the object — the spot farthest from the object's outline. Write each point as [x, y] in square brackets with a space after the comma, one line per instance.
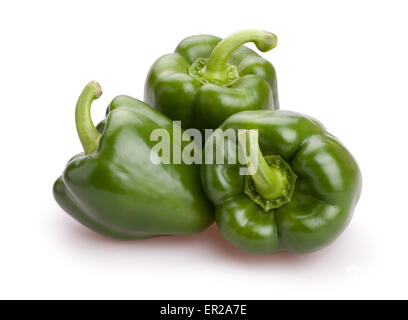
[206, 80]
[303, 193]
[113, 187]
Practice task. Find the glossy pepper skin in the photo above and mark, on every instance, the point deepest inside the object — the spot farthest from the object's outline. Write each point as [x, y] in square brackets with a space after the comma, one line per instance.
[326, 182]
[206, 80]
[114, 189]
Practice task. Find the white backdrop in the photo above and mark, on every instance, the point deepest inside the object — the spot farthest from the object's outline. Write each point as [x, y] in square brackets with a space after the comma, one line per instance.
[342, 62]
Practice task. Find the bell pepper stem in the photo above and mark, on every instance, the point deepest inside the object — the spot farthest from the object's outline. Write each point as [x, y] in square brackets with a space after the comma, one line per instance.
[269, 181]
[87, 132]
[217, 62]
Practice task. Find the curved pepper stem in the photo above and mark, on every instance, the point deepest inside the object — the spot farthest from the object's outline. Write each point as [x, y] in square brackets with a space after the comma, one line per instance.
[270, 182]
[218, 60]
[87, 132]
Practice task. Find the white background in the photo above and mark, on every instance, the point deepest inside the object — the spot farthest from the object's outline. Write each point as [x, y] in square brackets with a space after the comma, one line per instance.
[342, 62]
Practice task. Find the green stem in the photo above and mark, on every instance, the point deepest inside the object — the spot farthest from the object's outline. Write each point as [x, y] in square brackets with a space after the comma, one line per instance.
[270, 182]
[217, 62]
[87, 132]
